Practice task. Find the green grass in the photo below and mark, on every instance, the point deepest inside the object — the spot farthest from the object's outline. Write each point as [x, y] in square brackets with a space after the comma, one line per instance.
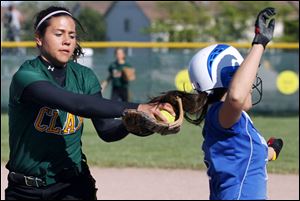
[175, 151]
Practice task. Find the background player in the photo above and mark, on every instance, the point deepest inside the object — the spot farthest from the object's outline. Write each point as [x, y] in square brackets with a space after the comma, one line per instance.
[120, 85]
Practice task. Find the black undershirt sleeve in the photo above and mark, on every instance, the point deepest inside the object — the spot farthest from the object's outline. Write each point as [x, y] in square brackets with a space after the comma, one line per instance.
[88, 106]
[109, 130]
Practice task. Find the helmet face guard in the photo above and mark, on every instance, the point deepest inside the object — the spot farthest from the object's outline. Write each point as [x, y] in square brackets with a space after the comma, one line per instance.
[258, 91]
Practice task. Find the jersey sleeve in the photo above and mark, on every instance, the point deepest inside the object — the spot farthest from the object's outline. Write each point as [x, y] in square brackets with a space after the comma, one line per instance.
[92, 85]
[212, 120]
[21, 80]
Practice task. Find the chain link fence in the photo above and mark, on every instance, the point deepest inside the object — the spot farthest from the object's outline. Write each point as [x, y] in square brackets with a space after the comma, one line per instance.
[156, 69]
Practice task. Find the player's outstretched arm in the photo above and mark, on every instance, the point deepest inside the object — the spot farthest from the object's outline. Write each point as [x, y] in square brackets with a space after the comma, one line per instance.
[88, 106]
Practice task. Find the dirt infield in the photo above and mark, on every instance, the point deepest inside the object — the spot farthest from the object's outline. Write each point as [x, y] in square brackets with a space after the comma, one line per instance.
[162, 184]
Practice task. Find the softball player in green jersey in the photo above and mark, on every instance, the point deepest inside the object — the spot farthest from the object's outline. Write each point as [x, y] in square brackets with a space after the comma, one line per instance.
[49, 96]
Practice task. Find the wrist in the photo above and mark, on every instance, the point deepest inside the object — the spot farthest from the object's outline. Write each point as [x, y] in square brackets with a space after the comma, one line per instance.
[258, 45]
[261, 40]
[141, 107]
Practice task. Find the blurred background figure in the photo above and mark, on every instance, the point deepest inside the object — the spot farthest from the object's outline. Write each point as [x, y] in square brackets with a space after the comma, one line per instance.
[120, 74]
[12, 22]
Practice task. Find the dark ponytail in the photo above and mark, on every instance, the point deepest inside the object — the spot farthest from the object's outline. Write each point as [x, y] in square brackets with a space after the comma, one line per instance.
[195, 106]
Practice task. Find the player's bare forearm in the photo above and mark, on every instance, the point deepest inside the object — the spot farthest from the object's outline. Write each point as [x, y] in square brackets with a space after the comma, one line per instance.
[243, 79]
[240, 88]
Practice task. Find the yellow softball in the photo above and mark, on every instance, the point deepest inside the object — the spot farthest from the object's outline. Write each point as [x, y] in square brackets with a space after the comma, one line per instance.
[168, 116]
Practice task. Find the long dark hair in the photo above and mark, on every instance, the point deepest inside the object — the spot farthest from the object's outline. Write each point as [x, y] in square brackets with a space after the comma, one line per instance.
[42, 28]
[195, 105]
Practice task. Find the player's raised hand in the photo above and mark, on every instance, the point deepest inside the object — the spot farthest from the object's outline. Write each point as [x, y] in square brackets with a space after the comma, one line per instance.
[264, 26]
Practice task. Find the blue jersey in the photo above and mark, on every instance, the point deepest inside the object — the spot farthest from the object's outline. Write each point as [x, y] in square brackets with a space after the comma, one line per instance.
[236, 158]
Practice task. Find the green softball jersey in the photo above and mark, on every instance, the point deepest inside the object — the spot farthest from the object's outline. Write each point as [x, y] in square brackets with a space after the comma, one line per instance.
[115, 71]
[43, 141]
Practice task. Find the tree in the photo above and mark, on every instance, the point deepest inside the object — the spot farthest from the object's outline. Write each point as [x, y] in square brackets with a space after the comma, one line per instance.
[26, 8]
[93, 23]
[91, 20]
[224, 21]
[291, 31]
[234, 19]
[184, 23]
[290, 17]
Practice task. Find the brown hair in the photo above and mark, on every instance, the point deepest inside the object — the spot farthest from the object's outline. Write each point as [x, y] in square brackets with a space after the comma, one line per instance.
[42, 28]
[120, 48]
[195, 106]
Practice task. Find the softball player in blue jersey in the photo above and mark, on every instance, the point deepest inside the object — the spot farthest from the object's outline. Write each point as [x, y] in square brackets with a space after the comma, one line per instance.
[235, 152]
